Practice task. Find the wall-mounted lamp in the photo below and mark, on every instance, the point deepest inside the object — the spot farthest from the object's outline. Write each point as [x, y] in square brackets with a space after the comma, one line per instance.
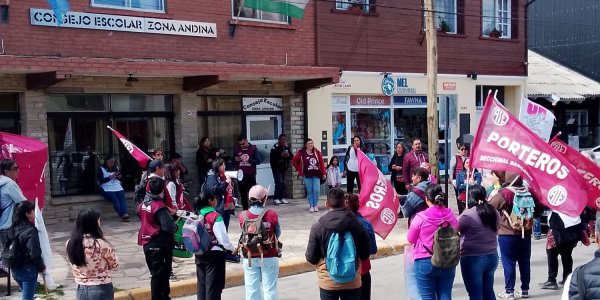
[472, 76]
[266, 82]
[130, 80]
[385, 74]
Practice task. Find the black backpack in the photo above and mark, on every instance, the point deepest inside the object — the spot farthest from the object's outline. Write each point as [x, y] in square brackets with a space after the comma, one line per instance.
[11, 252]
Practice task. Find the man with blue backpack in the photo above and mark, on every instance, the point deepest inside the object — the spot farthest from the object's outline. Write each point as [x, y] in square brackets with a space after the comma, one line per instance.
[336, 245]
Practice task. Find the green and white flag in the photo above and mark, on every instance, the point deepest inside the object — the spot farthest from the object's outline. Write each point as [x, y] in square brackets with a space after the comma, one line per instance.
[291, 8]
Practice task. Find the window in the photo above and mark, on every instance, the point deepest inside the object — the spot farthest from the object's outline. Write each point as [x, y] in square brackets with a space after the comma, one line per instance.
[445, 16]
[9, 113]
[496, 15]
[148, 5]
[578, 118]
[481, 92]
[364, 5]
[247, 13]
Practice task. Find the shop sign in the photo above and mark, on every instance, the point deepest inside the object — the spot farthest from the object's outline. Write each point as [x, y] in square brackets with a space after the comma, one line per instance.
[342, 85]
[262, 104]
[387, 86]
[46, 17]
[410, 100]
[403, 87]
[369, 100]
[449, 86]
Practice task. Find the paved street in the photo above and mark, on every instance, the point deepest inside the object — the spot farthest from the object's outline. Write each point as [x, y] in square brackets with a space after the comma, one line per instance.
[388, 279]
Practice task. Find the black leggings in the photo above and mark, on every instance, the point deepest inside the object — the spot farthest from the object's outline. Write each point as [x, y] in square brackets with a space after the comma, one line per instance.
[350, 181]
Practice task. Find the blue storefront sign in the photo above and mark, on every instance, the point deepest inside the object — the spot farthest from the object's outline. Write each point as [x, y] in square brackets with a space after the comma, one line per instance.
[410, 100]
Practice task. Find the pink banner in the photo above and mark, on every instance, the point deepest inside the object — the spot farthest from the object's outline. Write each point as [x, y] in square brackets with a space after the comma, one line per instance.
[378, 203]
[31, 156]
[136, 152]
[504, 143]
[590, 172]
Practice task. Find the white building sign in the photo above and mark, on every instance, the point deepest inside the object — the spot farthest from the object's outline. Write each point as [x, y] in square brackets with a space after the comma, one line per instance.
[262, 104]
[45, 17]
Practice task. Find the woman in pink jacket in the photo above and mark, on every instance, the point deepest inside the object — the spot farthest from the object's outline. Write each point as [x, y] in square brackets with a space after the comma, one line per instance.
[433, 282]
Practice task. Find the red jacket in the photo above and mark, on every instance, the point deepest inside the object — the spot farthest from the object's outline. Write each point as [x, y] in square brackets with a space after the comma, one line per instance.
[297, 162]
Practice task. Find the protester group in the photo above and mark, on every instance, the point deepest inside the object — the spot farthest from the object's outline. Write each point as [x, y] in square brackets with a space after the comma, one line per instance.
[493, 228]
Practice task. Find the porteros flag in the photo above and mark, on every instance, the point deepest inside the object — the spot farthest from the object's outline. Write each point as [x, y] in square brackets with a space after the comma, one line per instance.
[538, 118]
[378, 203]
[589, 171]
[291, 8]
[136, 152]
[504, 143]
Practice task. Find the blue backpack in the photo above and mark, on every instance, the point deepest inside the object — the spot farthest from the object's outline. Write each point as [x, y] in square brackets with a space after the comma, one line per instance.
[196, 238]
[341, 257]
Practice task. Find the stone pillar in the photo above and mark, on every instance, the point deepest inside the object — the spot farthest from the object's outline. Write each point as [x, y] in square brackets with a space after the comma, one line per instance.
[33, 115]
[293, 127]
[185, 107]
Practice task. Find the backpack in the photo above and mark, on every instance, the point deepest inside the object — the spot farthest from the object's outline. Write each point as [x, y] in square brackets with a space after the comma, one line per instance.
[520, 217]
[196, 238]
[139, 192]
[446, 246]
[255, 238]
[10, 253]
[341, 257]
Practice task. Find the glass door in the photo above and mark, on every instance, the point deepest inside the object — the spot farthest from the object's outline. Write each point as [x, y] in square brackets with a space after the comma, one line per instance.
[263, 131]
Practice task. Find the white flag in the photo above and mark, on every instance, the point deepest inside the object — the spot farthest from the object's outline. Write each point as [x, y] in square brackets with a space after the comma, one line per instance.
[538, 118]
[68, 145]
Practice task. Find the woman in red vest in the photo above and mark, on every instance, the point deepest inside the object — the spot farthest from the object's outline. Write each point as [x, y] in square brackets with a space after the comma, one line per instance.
[310, 165]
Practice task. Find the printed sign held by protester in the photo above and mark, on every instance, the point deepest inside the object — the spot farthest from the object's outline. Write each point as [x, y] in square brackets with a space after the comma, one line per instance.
[537, 118]
[378, 204]
[504, 143]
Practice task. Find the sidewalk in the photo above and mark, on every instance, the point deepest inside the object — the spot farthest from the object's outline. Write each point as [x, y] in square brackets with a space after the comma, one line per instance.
[132, 279]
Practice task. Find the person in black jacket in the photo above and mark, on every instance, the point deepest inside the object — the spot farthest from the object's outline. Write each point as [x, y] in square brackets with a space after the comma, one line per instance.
[204, 158]
[27, 241]
[217, 184]
[340, 220]
[396, 168]
[585, 280]
[279, 159]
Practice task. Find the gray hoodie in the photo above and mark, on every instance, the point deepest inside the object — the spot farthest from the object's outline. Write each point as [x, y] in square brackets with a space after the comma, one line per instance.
[10, 196]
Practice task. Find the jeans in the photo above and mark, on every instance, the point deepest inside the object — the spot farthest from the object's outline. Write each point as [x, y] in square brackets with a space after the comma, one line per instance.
[279, 178]
[95, 292]
[26, 278]
[350, 182]
[159, 258]
[313, 187]
[210, 275]
[478, 275]
[118, 201]
[265, 271]
[565, 250]
[537, 227]
[352, 294]
[515, 249]
[433, 282]
[244, 187]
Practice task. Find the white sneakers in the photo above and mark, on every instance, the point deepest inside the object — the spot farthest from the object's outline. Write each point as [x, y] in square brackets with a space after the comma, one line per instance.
[280, 201]
[316, 209]
[507, 296]
[284, 201]
[311, 210]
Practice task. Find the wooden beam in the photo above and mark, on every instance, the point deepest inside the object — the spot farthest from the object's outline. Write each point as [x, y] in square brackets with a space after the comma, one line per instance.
[42, 81]
[302, 86]
[194, 83]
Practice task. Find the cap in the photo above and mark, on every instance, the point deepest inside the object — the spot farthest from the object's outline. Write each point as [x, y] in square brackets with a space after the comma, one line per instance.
[155, 164]
[257, 193]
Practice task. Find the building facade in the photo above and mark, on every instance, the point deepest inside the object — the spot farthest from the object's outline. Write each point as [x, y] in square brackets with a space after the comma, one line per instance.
[164, 73]
[382, 93]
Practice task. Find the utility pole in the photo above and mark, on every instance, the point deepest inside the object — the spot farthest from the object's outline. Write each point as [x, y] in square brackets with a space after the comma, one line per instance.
[432, 105]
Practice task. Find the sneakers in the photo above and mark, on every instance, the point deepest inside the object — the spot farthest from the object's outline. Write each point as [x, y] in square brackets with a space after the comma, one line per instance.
[549, 285]
[506, 296]
[522, 294]
[277, 201]
[316, 209]
[311, 210]
[284, 201]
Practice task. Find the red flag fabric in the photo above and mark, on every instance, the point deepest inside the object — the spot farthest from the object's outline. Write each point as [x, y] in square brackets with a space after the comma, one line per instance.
[378, 203]
[589, 171]
[136, 152]
[504, 143]
[31, 156]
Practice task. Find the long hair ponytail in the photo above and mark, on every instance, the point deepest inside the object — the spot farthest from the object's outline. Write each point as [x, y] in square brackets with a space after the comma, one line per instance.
[487, 213]
[86, 223]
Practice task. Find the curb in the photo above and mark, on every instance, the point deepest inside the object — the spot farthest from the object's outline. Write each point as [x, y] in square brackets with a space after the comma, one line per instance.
[289, 267]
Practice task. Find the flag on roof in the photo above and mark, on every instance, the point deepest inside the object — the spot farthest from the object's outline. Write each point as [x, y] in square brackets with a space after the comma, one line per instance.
[60, 8]
[291, 8]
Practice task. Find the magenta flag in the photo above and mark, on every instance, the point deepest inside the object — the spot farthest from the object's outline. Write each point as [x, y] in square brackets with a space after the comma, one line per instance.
[378, 203]
[136, 152]
[31, 156]
[589, 171]
[504, 143]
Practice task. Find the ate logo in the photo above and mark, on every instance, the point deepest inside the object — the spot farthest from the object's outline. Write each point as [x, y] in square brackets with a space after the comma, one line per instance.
[128, 145]
[499, 116]
[387, 216]
[557, 195]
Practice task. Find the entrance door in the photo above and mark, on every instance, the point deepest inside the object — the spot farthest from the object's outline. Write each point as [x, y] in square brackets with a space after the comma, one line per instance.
[263, 131]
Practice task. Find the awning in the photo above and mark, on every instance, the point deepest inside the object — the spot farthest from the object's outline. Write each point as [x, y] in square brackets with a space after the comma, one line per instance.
[555, 82]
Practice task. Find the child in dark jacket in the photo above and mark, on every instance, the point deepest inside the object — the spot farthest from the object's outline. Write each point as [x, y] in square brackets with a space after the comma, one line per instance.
[156, 235]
